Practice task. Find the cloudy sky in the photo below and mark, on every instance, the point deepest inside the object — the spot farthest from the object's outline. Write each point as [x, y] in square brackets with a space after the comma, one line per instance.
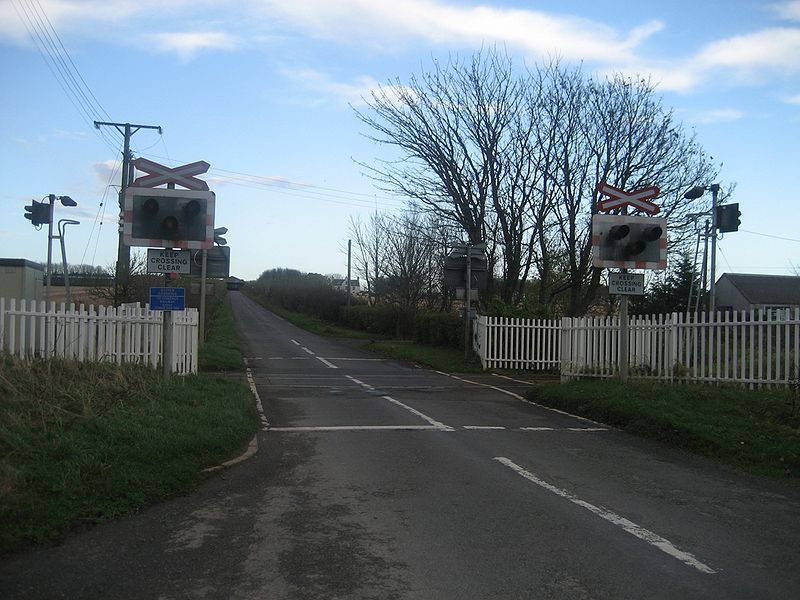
[262, 90]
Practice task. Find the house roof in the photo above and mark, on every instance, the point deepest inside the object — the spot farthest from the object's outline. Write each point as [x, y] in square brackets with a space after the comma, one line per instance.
[766, 289]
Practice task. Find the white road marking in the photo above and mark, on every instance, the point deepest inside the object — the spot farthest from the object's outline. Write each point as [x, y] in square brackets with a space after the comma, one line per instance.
[259, 407]
[483, 427]
[366, 386]
[587, 429]
[628, 526]
[306, 350]
[435, 423]
[295, 342]
[301, 429]
[328, 364]
[517, 396]
[537, 429]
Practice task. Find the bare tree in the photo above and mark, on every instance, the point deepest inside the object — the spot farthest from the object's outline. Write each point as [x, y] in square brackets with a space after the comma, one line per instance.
[370, 251]
[513, 158]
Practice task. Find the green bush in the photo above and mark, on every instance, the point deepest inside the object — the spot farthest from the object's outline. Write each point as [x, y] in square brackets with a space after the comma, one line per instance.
[444, 330]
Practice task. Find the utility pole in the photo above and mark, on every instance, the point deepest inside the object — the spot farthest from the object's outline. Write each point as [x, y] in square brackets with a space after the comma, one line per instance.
[349, 262]
[123, 251]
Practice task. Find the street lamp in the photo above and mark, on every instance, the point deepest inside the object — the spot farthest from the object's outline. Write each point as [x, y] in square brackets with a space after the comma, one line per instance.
[65, 201]
[62, 223]
[693, 194]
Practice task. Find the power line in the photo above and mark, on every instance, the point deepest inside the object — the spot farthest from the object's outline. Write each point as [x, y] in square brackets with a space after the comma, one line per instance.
[300, 189]
[60, 63]
[775, 237]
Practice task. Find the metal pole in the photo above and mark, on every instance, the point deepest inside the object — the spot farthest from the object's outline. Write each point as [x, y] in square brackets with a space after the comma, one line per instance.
[349, 255]
[467, 322]
[202, 324]
[64, 263]
[623, 338]
[712, 299]
[48, 273]
[705, 267]
[166, 354]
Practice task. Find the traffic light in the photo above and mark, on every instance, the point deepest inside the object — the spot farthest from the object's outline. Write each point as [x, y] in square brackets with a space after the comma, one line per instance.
[169, 218]
[620, 241]
[728, 217]
[38, 213]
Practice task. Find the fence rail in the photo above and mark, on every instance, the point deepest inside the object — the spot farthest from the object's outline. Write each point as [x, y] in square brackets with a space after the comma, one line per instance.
[750, 347]
[96, 333]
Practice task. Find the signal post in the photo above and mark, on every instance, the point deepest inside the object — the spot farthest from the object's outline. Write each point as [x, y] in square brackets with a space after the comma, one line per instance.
[626, 242]
[175, 220]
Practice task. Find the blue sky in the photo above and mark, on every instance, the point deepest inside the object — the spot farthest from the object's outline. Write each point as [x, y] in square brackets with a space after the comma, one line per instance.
[262, 91]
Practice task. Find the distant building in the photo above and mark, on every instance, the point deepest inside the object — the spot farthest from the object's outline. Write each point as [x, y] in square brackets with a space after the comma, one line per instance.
[21, 279]
[737, 291]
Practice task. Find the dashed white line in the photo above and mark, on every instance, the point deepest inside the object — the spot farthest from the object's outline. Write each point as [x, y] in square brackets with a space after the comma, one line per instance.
[434, 422]
[484, 427]
[311, 428]
[327, 363]
[626, 525]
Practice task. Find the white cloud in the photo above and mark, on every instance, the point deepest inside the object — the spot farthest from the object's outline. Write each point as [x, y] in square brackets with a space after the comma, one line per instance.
[346, 92]
[788, 10]
[188, 44]
[776, 48]
[719, 115]
[793, 99]
[382, 22]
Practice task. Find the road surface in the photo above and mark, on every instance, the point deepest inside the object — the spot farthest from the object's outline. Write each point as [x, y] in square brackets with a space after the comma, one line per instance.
[375, 479]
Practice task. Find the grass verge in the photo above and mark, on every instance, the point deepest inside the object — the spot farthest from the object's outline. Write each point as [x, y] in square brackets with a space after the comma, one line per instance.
[221, 350]
[755, 430]
[84, 442]
[448, 360]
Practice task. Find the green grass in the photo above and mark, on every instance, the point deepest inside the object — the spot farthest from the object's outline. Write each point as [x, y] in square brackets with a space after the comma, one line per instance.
[84, 442]
[756, 430]
[314, 324]
[448, 360]
[221, 350]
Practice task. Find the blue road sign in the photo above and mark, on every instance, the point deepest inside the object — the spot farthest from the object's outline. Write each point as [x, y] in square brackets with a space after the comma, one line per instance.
[166, 298]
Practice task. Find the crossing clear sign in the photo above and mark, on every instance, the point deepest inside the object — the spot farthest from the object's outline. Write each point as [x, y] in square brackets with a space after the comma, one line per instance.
[626, 284]
[169, 261]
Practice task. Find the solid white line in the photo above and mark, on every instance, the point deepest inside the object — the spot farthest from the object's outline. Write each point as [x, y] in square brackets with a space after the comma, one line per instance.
[366, 386]
[517, 396]
[328, 364]
[587, 429]
[628, 526]
[259, 407]
[482, 427]
[357, 428]
[435, 423]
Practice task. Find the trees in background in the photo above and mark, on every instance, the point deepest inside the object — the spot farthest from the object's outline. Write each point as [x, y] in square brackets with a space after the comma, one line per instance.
[512, 157]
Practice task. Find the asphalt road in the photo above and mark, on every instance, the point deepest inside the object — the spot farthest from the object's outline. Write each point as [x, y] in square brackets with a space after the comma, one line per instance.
[376, 479]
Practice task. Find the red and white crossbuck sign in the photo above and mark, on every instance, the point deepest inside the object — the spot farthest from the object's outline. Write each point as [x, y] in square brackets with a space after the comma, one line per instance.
[637, 199]
[182, 175]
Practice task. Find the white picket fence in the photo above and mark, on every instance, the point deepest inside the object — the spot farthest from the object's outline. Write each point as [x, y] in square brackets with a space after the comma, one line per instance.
[511, 343]
[749, 347]
[96, 333]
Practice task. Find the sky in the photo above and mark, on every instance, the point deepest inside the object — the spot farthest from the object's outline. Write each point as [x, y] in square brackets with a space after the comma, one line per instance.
[264, 91]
